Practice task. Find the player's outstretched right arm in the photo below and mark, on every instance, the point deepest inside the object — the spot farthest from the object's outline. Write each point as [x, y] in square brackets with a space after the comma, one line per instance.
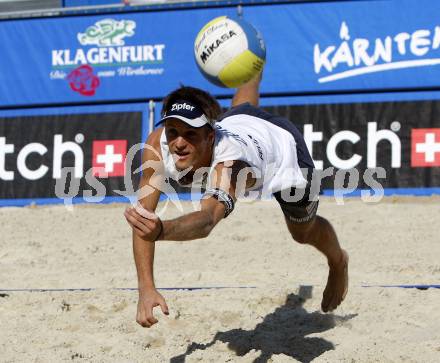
[148, 198]
[249, 92]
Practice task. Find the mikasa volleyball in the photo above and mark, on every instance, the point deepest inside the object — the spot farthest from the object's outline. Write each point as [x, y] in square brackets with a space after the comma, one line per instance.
[229, 51]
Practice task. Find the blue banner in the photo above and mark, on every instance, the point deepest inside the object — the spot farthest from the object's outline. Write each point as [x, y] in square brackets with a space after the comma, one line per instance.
[315, 47]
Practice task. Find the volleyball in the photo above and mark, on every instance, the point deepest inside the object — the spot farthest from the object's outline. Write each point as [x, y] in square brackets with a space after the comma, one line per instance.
[229, 51]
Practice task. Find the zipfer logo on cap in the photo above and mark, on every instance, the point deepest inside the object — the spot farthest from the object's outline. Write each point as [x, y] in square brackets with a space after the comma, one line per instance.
[182, 106]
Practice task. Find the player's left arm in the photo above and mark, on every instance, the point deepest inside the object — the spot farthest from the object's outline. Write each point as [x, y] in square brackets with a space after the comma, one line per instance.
[217, 203]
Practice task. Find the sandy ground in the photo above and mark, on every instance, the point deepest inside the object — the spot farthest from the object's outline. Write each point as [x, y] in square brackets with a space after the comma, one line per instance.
[393, 242]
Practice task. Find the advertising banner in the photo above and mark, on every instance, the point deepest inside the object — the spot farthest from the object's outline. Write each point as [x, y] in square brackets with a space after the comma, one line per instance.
[311, 47]
[73, 154]
[69, 3]
[401, 137]
[392, 141]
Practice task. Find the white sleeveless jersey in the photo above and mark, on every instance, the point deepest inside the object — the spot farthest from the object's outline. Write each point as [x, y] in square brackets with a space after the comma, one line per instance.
[269, 149]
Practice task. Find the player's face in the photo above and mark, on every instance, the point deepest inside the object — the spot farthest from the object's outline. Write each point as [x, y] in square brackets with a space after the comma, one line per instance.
[189, 146]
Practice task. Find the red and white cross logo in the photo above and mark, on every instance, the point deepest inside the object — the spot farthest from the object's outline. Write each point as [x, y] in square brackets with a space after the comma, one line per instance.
[109, 158]
[425, 147]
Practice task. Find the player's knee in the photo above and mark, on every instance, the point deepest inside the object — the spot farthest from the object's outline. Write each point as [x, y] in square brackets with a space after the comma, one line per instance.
[205, 231]
[301, 237]
[301, 233]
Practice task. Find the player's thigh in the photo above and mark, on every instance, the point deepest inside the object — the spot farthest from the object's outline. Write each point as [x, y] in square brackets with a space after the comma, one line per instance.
[300, 216]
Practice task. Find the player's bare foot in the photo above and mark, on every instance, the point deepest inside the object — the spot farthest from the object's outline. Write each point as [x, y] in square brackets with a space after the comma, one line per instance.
[337, 284]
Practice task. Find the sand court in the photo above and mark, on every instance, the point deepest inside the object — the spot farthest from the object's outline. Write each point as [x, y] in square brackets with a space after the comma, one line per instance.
[273, 317]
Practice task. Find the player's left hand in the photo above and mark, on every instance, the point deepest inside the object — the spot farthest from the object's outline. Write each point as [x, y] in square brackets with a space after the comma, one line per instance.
[145, 224]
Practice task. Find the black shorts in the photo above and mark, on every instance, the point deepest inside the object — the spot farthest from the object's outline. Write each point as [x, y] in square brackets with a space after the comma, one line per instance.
[301, 210]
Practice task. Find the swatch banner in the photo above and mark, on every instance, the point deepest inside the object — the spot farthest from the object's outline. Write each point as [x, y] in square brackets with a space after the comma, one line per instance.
[72, 155]
[400, 137]
[311, 47]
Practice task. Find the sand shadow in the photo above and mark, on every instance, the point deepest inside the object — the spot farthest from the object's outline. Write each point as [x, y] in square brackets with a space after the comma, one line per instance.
[285, 331]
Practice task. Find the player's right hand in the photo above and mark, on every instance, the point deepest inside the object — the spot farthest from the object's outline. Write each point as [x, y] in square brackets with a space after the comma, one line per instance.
[148, 299]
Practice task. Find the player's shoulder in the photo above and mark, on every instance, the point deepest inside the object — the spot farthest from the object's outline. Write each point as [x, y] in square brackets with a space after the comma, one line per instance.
[244, 110]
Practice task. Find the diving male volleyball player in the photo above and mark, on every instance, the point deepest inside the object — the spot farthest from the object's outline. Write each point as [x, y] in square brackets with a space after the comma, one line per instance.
[244, 138]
